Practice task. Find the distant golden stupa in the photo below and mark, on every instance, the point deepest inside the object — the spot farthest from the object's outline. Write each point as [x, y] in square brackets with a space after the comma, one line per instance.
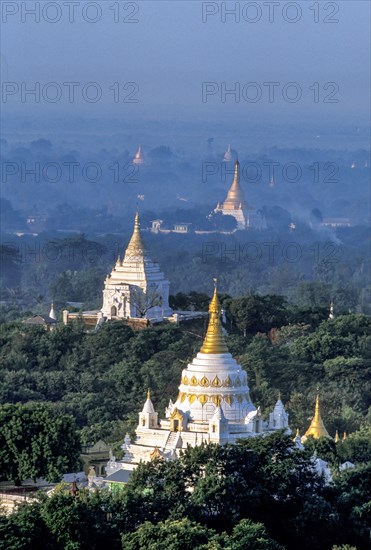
[138, 159]
[235, 204]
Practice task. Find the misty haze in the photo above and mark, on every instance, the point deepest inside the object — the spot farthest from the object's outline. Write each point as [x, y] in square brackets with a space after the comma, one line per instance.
[179, 176]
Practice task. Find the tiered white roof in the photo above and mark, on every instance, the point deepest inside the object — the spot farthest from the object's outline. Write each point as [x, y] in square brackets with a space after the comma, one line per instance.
[136, 286]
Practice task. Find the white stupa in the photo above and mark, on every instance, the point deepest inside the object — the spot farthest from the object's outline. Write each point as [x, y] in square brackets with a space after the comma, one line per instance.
[278, 418]
[331, 314]
[213, 406]
[136, 287]
[52, 313]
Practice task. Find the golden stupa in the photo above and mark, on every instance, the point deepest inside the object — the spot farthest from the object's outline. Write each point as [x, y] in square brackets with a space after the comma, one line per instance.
[317, 428]
[235, 198]
[136, 247]
[214, 340]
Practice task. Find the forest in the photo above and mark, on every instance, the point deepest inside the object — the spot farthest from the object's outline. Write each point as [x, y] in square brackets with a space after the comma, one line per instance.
[309, 265]
[101, 378]
[69, 387]
[261, 494]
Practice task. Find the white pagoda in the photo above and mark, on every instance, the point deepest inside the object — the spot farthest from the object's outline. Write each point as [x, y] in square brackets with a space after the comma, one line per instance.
[136, 287]
[213, 406]
[52, 313]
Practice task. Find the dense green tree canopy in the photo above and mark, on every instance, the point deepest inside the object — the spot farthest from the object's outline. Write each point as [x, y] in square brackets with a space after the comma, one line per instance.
[261, 494]
[101, 378]
[36, 442]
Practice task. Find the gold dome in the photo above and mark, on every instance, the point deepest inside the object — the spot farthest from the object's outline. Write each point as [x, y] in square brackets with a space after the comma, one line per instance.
[214, 339]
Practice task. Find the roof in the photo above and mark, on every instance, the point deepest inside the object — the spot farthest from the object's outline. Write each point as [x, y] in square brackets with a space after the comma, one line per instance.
[148, 407]
[279, 406]
[120, 476]
[40, 320]
[99, 447]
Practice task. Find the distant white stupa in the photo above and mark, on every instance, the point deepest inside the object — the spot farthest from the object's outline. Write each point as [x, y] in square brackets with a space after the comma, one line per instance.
[228, 154]
[52, 313]
[271, 182]
[138, 159]
[353, 165]
[331, 314]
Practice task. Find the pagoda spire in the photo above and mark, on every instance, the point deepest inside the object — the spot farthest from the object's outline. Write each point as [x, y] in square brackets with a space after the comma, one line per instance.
[52, 313]
[148, 405]
[138, 159]
[228, 154]
[235, 197]
[317, 428]
[136, 246]
[214, 340]
[236, 178]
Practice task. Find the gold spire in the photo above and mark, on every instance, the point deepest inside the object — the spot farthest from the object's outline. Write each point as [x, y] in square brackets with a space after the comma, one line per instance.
[149, 393]
[214, 339]
[317, 428]
[235, 198]
[336, 437]
[136, 246]
[344, 436]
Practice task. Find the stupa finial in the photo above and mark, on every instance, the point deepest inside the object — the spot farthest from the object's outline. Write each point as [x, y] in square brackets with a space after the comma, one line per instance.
[214, 340]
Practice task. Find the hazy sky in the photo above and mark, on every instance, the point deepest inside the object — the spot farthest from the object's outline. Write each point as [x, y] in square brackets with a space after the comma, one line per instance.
[175, 47]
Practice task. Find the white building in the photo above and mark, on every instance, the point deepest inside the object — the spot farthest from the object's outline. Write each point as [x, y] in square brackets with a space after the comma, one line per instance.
[136, 287]
[213, 406]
